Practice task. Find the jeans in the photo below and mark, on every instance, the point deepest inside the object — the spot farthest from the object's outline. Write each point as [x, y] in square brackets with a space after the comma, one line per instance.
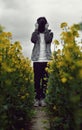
[40, 79]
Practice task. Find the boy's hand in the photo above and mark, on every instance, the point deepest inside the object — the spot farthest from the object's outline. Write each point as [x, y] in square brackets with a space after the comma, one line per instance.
[36, 25]
[46, 26]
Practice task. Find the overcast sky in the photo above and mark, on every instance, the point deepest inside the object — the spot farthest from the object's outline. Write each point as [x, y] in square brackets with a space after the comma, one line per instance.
[19, 17]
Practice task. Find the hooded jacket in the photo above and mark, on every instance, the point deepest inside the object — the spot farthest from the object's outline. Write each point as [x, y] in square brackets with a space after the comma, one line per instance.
[48, 35]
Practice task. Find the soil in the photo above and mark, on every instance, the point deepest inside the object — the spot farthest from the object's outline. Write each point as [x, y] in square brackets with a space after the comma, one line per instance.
[40, 120]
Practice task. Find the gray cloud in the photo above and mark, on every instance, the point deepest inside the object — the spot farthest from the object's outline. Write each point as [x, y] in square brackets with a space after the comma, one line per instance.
[16, 19]
[19, 17]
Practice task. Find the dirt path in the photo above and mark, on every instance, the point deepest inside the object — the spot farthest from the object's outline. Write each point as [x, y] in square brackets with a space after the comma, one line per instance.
[40, 121]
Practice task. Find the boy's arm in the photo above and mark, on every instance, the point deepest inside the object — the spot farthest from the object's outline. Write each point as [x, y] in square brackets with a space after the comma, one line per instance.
[48, 36]
[34, 37]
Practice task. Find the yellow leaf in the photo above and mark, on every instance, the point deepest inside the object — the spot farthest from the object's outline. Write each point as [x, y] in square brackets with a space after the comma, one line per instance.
[56, 42]
[63, 25]
[64, 80]
[80, 73]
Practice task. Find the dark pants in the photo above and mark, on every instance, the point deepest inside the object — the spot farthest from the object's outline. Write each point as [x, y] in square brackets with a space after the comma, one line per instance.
[40, 79]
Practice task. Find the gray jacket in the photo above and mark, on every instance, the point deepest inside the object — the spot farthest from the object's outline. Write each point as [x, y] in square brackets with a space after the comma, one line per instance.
[48, 35]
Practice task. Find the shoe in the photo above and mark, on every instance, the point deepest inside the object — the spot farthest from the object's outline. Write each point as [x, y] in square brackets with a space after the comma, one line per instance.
[36, 103]
[42, 103]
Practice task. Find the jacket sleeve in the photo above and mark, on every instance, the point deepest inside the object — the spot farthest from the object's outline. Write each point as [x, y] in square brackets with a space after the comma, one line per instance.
[48, 36]
[34, 37]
